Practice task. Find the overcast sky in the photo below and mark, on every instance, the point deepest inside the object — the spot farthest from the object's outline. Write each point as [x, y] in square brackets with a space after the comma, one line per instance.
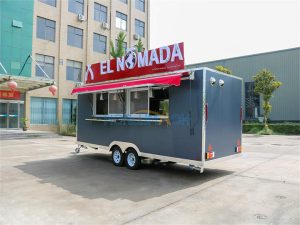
[213, 29]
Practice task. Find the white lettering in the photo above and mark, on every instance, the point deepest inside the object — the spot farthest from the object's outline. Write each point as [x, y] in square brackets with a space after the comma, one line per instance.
[103, 68]
[108, 67]
[176, 53]
[161, 54]
[120, 64]
[153, 57]
[142, 59]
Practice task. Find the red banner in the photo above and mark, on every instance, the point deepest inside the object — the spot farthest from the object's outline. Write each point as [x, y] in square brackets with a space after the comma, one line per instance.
[133, 64]
[10, 94]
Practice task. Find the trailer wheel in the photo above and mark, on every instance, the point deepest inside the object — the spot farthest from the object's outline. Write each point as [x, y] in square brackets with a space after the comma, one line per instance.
[117, 156]
[77, 150]
[132, 159]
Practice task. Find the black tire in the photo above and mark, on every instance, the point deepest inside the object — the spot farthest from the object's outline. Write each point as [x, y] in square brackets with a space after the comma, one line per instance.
[117, 156]
[132, 159]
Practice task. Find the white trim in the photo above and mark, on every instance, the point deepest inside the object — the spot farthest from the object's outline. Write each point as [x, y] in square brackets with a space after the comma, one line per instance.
[126, 145]
[224, 74]
[203, 119]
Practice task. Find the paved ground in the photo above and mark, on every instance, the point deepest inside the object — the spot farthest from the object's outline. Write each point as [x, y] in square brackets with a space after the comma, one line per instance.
[43, 182]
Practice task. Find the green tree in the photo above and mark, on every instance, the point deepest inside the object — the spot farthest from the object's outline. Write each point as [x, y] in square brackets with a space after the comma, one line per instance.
[119, 50]
[265, 84]
[139, 46]
[223, 69]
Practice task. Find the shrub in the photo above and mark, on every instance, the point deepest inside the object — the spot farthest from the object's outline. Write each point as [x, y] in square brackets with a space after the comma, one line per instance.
[68, 130]
[274, 128]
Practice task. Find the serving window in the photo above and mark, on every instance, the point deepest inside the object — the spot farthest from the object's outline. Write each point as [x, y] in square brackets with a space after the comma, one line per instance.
[147, 102]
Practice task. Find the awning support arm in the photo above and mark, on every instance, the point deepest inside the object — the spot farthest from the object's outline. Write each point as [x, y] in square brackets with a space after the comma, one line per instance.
[36, 63]
[3, 68]
[24, 65]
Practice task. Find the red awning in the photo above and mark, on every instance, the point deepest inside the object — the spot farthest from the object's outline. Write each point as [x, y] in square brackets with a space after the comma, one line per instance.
[169, 80]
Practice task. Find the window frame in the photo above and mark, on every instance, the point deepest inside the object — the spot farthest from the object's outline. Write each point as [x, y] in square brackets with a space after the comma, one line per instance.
[140, 2]
[72, 103]
[99, 37]
[121, 17]
[43, 66]
[81, 2]
[75, 29]
[127, 113]
[43, 109]
[46, 28]
[73, 61]
[100, 11]
[47, 2]
[137, 24]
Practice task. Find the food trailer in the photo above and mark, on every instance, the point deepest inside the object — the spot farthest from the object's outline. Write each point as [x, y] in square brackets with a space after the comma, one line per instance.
[147, 105]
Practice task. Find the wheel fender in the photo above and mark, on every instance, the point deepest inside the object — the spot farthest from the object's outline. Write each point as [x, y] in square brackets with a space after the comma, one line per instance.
[125, 145]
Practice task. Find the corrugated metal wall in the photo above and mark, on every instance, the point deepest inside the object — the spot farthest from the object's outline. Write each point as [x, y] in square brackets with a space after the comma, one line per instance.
[284, 64]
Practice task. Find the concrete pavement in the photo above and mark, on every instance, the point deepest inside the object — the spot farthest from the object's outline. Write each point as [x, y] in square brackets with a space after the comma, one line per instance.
[43, 182]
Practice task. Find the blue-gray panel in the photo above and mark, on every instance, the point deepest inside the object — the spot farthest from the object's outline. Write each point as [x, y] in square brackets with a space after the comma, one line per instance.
[182, 138]
[223, 127]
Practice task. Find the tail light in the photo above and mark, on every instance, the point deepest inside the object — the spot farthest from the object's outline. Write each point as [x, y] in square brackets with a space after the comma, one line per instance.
[238, 149]
[209, 155]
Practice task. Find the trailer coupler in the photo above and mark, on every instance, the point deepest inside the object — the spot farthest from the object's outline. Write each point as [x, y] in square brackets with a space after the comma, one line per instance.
[77, 150]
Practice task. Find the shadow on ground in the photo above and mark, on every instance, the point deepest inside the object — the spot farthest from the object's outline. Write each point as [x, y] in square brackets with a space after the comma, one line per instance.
[94, 176]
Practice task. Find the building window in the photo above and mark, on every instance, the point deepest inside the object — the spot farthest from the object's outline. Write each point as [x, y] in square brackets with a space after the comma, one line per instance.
[76, 6]
[124, 1]
[124, 45]
[74, 69]
[45, 29]
[121, 21]
[75, 36]
[140, 28]
[46, 63]
[140, 5]
[99, 44]
[69, 111]
[49, 2]
[43, 110]
[100, 12]
[252, 102]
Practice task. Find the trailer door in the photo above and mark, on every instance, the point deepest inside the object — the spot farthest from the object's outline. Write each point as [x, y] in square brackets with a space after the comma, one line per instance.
[223, 115]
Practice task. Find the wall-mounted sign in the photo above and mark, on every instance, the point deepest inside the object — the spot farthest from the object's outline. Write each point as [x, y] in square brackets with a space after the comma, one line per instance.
[10, 95]
[133, 64]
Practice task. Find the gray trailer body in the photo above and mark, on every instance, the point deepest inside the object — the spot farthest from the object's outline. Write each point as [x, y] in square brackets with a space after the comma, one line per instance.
[202, 118]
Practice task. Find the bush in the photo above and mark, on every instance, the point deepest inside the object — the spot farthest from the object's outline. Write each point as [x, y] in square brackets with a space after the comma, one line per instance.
[274, 128]
[68, 130]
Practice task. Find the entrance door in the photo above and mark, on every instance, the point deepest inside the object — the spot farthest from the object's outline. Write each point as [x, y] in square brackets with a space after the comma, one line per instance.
[13, 115]
[10, 114]
[3, 115]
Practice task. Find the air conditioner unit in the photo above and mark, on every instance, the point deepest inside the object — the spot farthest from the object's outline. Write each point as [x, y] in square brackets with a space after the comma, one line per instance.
[105, 26]
[136, 37]
[81, 17]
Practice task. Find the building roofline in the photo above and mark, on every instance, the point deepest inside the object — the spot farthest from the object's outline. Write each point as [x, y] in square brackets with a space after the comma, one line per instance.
[244, 56]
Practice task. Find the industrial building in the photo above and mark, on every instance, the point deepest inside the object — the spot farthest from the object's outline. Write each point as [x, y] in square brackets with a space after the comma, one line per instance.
[284, 64]
[61, 37]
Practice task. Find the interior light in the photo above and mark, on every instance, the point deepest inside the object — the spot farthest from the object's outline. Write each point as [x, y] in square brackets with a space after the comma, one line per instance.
[135, 95]
[101, 96]
[114, 98]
